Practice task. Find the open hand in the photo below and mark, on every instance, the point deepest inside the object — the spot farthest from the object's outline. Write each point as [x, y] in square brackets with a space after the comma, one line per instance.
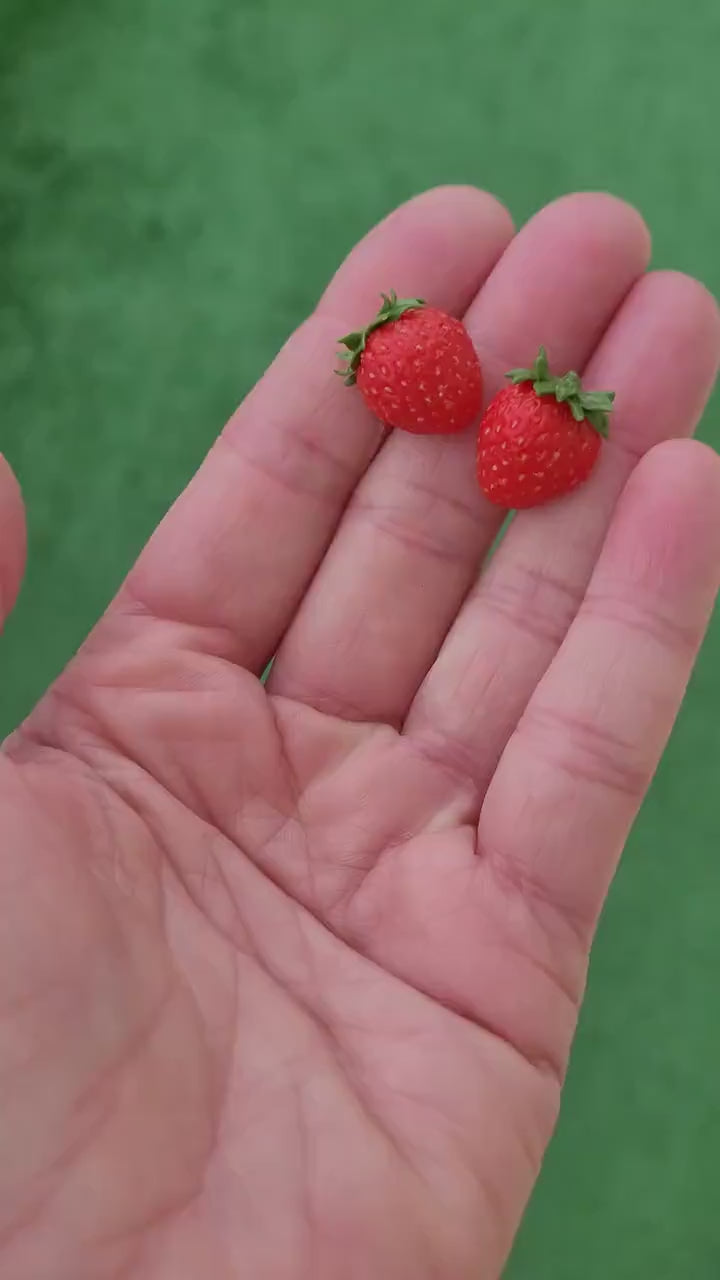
[289, 974]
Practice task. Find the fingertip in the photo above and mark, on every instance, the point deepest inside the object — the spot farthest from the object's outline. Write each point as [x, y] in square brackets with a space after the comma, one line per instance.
[12, 539]
[467, 201]
[607, 219]
[669, 297]
[689, 296]
[560, 283]
[669, 516]
[440, 245]
[682, 471]
[446, 221]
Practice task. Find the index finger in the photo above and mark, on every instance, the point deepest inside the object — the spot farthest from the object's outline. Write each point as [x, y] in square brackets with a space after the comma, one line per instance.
[238, 549]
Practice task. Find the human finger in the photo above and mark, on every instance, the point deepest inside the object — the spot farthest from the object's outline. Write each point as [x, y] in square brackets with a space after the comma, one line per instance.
[236, 552]
[412, 539]
[661, 357]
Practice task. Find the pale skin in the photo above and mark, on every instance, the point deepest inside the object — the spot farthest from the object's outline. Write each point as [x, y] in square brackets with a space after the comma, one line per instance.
[289, 976]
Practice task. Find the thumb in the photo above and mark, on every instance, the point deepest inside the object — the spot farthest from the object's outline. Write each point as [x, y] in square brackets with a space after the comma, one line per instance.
[12, 540]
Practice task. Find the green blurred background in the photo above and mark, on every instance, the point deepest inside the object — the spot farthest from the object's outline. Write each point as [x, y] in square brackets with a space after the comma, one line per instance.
[178, 178]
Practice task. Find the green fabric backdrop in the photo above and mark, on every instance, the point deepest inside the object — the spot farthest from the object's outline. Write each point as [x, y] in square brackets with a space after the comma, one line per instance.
[177, 180]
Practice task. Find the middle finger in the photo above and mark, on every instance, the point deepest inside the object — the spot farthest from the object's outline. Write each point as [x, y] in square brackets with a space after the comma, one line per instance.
[412, 539]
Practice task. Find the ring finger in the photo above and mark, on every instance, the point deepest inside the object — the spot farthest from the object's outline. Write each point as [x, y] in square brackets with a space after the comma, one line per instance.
[660, 355]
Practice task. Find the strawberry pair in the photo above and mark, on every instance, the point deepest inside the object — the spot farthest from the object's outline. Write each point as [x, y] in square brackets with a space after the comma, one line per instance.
[417, 370]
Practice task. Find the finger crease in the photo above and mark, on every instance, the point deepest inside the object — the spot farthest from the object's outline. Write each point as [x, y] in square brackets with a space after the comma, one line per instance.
[294, 460]
[645, 620]
[474, 512]
[452, 756]
[514, 875]
[533, 600]
[418, 538]
[585, 751]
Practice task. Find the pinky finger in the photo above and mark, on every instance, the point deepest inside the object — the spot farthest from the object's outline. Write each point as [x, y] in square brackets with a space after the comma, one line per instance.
[12, 540]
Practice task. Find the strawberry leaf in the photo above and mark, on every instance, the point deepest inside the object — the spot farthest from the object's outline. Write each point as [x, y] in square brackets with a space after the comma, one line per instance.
[599, 421]
[593, 407]
[598, 400]
[392, 308]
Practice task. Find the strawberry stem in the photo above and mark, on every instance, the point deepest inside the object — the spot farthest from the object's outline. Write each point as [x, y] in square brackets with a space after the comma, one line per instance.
[391, 309]
[594, 407]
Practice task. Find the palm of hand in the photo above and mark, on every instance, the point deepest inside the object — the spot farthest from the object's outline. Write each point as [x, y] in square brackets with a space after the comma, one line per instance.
[204, 1019]
[289, 977]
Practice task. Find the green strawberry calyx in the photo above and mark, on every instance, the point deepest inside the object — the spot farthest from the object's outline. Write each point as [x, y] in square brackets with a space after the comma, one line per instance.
[594, 407]
[392, 308]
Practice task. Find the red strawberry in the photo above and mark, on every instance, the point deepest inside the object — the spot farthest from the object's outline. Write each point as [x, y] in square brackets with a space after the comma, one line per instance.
[416, 368]
[540, 438]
